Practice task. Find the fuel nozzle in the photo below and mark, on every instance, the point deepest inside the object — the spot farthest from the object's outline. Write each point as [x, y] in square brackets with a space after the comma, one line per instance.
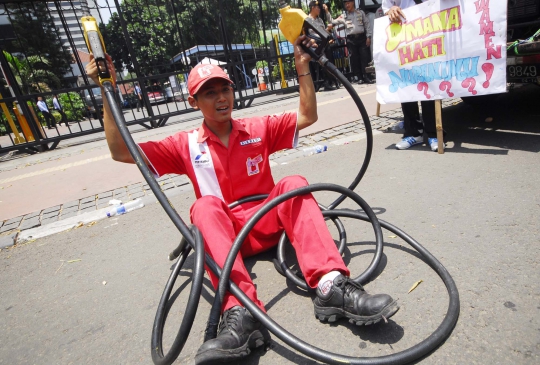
[295, 22]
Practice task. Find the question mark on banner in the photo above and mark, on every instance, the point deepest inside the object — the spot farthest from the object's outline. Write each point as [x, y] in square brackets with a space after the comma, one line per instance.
[488, 69]
[446, 85]
[469, 83]
[424, 86]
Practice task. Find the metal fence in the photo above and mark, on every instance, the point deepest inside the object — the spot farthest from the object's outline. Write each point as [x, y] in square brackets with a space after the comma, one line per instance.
[153, 43]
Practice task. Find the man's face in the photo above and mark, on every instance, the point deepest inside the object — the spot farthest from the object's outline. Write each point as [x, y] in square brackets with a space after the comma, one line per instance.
[39, 98]
[215, 100]
[315, 10]
[349, 6]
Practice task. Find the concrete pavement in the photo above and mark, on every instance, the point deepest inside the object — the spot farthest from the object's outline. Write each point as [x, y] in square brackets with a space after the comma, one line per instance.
[78, 177]
[89, 295]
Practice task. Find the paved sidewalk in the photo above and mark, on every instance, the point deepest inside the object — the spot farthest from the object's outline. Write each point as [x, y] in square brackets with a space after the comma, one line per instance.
[11, 228]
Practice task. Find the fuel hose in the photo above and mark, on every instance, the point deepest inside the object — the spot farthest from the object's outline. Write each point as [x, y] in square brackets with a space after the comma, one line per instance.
[193, 241]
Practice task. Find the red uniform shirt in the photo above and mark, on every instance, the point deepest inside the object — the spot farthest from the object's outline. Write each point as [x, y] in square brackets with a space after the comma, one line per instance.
[242, 169]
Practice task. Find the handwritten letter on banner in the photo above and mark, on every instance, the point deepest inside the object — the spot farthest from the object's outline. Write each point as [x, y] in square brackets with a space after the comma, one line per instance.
[447, 48]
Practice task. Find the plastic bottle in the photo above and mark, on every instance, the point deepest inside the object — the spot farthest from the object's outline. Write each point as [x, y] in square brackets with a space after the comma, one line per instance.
[124, 208]
[315, 149]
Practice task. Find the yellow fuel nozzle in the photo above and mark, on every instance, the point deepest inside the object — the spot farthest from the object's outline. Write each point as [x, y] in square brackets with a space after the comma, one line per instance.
[95, 44]
[291, 23]
[295, 22]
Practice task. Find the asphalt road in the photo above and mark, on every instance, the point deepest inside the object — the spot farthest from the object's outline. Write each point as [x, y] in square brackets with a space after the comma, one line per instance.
[89, 295]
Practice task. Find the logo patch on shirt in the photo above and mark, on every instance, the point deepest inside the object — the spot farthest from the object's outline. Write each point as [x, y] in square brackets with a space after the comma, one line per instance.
[250, 141]
[201, 160]
[253, 165]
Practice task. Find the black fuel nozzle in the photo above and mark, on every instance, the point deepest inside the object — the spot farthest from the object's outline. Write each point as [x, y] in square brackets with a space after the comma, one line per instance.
[314, 31]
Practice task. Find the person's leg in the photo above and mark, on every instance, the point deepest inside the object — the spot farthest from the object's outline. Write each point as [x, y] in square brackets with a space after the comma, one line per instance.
[428, 116]
[320, 261]
[328, 78]
[219, 228]
[412, 125]
[364, 52]
[411, 119]
[64, 117]
[354, 49]
[238, 330]
[51, 123]
[430, 125]
[304, 224]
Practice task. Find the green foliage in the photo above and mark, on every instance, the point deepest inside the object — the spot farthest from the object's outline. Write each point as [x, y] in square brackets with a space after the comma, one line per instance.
[38, 37]
[31, 73]
[4, 125]
[73, 106]
[159, 30]
[288, 68]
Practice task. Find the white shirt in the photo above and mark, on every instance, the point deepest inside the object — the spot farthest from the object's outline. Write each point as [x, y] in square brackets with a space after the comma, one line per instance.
[403, 4]
[56, 104]
[42, 106]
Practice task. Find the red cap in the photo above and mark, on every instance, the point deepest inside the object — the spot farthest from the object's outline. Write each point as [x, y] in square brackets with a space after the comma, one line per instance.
[203, 73]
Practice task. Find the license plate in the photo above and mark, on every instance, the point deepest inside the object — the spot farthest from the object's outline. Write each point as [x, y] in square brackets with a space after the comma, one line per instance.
[523, 73]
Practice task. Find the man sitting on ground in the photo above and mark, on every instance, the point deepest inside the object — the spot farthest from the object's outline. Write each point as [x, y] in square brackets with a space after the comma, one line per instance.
[227, 159]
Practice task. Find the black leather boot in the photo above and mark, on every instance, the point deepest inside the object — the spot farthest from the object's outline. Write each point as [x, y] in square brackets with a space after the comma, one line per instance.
[238, 333]
[345, 298]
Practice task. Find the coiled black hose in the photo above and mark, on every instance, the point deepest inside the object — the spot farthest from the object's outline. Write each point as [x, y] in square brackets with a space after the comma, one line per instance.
[192, 239]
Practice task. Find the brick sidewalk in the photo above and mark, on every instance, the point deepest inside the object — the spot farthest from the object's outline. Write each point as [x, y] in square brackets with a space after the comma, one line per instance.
[10, 228]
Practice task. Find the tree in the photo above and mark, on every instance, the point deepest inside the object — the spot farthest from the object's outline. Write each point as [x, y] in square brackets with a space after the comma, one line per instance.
[31, 73]
[160, 29]
[38, 37]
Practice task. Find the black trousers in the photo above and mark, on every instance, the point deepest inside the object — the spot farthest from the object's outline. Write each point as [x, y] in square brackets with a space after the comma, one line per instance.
[49, 119]
[64, 116]
[359, 54]
[140, 104]
[413, 124]
[324, 75]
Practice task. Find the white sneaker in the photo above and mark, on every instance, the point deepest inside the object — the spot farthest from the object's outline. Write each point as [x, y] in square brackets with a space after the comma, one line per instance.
[434, 144]
[408, 142]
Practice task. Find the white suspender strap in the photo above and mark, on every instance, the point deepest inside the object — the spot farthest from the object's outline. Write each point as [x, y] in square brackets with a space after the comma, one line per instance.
[201, 159]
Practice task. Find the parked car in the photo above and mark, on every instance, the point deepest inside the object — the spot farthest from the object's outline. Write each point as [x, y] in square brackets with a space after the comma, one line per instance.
[155, 94]
[90, 107]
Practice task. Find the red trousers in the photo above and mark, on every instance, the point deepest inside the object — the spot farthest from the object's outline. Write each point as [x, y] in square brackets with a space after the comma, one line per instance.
[300, 217]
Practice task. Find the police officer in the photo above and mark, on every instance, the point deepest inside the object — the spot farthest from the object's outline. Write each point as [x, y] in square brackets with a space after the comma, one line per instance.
[358, 40]
[315, 12]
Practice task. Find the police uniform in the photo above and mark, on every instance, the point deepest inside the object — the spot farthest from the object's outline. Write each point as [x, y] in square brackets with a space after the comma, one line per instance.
[221, 175]
[358, 31]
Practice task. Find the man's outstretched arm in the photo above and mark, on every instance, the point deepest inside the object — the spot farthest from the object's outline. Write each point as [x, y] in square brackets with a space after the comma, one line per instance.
[307, 110]
[117, 146]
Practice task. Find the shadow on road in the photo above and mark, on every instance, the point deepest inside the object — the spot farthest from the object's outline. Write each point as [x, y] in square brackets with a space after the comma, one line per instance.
[515, 124]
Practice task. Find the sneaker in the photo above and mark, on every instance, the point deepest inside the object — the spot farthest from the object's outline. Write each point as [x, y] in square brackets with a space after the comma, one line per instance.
[434, 144]
[345, 298]
[238, 333]
[408, 142]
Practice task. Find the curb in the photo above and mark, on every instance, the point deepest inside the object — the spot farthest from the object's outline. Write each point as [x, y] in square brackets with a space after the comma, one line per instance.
[80, 220]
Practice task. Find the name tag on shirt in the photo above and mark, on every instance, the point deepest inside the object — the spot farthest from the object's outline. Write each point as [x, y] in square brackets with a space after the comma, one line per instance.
[250, 141]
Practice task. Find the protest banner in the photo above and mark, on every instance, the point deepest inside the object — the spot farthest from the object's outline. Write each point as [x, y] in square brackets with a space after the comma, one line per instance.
[445, 48]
